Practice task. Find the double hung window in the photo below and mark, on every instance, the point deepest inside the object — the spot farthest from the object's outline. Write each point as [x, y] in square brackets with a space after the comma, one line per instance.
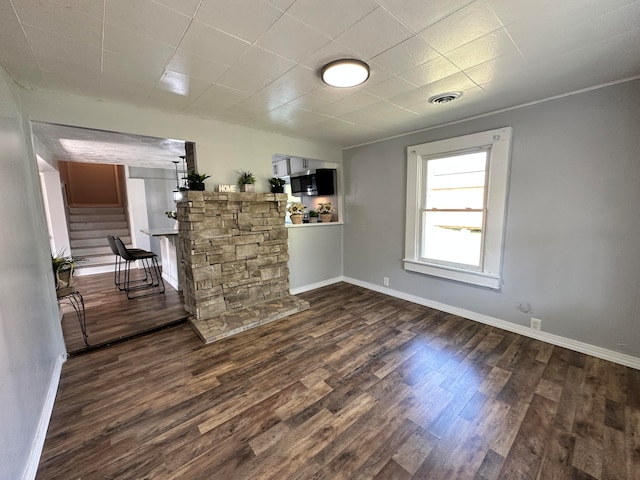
[456, 198]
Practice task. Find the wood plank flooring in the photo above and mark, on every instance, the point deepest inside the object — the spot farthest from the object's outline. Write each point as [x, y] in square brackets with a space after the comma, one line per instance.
[361, 386]
[110, 316]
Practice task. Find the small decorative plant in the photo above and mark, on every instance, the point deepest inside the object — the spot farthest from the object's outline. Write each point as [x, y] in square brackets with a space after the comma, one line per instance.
[313, 213]
[196, 180]
[60, 259]
[246, 178]
[63, 266]
[246, 181]
[172, 214]
[195, 177]
[277, 184]
[296, 209]
[325, 208]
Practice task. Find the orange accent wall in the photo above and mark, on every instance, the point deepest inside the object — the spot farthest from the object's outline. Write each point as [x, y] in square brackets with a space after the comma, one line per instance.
[92, 184]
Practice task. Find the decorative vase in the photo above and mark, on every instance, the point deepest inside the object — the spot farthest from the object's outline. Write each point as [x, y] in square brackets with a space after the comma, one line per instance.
[326, 217]
[313, 219]
[277, 189]
[296, 219]
[247, 187]
[197, 186]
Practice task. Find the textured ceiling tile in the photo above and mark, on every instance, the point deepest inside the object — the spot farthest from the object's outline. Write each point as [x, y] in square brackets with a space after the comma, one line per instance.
[71, 24]
[147, 19]
[419, 14]
[467, 24]
[136, 48]
[331, 17]
[241, 77]
[430, 72]
[278, 39]
[53, 48]
[245, 19]
[412, 52]
[389, 88]
[213, 44]
[196, 66]
[491, 46]
[92, 8]
[186, 7]
[374, 34]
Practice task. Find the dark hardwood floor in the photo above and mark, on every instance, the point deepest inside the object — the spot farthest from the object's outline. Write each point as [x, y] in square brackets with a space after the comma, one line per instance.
[361, 386]
[111, 317]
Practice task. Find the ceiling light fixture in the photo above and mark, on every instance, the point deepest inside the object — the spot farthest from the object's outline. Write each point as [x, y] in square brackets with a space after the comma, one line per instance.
[443, 98]
[345, 73]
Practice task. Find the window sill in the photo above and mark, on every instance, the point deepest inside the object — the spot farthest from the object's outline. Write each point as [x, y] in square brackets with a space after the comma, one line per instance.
[465, 276]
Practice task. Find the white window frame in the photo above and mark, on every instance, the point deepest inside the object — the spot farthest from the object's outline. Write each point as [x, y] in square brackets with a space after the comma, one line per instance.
[490, 272]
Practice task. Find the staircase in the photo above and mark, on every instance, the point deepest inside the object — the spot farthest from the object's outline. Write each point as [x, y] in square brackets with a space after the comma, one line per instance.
[88, 230]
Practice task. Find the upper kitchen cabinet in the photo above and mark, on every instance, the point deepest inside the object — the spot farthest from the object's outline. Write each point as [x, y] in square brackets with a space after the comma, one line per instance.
[280, 167]
[299, 165]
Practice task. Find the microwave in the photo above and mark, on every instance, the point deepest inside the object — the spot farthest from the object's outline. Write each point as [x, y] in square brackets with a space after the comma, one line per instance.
[319, 182]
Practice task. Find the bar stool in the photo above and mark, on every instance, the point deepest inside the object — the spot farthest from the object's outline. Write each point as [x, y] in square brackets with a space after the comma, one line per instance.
[153, 276]
[117, 280]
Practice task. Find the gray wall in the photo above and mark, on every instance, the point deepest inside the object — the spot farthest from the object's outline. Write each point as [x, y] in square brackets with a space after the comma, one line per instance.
[30, 335]
[572, 231]
[315, 254]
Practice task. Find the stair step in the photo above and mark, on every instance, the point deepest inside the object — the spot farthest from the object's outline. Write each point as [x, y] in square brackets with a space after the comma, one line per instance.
[86, 234]
[97, 260]
[94, 242]
[98, 210]
[76, 226]
[84, 252]
[76, 218]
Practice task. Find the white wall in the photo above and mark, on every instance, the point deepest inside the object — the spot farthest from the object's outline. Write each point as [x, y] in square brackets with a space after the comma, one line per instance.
[572, 232]
[31, 345]
[221, 149]
[316, 253]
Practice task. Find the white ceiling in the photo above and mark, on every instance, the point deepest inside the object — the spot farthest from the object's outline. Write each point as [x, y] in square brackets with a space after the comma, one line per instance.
[86, 145]
[256, 62]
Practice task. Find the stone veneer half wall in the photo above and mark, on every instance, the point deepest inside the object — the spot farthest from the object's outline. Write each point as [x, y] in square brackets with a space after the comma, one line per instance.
[235, 260]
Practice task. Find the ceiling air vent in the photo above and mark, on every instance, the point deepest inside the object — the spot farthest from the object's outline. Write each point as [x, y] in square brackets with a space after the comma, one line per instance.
[443, 98]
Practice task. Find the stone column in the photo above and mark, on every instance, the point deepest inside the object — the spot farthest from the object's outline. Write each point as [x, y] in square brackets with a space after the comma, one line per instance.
[234, 256]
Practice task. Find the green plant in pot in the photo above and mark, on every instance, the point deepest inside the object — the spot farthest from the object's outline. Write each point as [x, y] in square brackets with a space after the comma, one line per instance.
[63, 266]
[196, 180]
[277, 184]
[313, 216]
[246, 181]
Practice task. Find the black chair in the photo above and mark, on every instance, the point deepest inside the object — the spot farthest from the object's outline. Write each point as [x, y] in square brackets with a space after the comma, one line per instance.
[152, 274]
[117, 270]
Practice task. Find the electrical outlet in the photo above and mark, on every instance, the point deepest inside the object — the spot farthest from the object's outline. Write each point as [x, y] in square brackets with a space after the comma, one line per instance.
[385, 281]
[536, 323]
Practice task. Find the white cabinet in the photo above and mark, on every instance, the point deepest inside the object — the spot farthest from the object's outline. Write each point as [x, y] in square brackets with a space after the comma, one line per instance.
[299, 165]
[280, 168]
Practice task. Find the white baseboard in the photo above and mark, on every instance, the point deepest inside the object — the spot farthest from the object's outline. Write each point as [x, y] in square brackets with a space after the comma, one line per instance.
[45, 416]
[313, 286]
[575, 345]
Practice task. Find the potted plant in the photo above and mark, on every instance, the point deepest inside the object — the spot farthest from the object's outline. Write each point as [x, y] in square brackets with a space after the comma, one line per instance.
[173, 214]
[296, 210]
[326, 212]
[196, 180]
[313, 216]
[277, 184]
[246, 181]
[63, 266]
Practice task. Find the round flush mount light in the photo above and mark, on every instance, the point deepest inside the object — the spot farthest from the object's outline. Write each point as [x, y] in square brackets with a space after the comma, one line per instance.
[443, 98]
[345, 73]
